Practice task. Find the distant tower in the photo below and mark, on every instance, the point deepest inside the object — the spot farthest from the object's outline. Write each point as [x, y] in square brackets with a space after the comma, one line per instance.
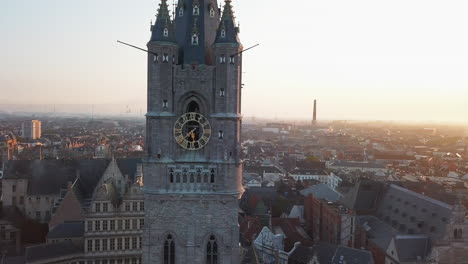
[314, 120]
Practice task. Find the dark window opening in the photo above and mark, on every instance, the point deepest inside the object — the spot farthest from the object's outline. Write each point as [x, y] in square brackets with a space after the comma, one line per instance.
[212, 251]
[193, 107]
[169, 250]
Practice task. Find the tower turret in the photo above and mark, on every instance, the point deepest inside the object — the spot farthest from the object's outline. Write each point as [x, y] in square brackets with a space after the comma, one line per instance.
[227, 31]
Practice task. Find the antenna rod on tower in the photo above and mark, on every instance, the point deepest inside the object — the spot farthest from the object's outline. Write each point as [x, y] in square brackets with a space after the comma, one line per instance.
[147, 51]
[244, 50]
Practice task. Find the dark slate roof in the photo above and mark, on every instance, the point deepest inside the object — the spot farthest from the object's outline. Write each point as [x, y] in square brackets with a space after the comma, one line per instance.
[228, 25]
[379, 232]
[54, 250]
[203, 24]
[324, 252]
[301, 254]
[363, 196]
[322, 191]
[352, 256]
[50, 176]
[163, 21]
[413, 213]
[412, 248]
[67, 230]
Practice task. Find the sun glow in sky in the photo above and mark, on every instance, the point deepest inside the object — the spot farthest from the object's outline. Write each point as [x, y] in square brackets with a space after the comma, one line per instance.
[361, 59]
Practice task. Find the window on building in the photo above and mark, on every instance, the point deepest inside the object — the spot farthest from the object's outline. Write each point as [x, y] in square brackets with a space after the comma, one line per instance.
[127, 207]
[221, 93]
[104, 244]
[134, 224]
[112, 244]
[97, 207]
[223, 33]
[127, 224]
[232, 60]
[119, 224]
[97, 245]
[195, 39]
[155, 58]
[38, 215]
[47, 215]
[90, 245]
[212, 12]
[97, 225]
[119, 243]
[21, 200]
[222, 59]
[220, 134]
[165, 104]
[166, 58]
[134, 243]
[90, 226]
[105, 207]
[112, 225]
[142, 206]
[181, 11]
[142, 223]
[127, 243]
[135, 206]
[196, 10]
[104, 225]
[212, 251]
[165, 32]
[169, 250]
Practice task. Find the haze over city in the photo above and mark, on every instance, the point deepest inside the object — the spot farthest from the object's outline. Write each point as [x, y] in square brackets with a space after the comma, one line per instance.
[372, 60]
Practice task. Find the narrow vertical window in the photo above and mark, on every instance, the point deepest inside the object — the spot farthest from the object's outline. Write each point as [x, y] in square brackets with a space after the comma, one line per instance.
[166, 58]
[196, 10]
[223, 33]
[212, 12]
[222, 59]
[181, 11]
[169, 250]
[220, 134]
[165, 104]
[221, 93]
[232, 60]
[195, 39]
[155, 58]
[166, 32]
[212, 251]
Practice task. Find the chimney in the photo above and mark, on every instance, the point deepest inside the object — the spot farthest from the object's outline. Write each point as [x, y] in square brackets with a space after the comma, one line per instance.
[314, 120]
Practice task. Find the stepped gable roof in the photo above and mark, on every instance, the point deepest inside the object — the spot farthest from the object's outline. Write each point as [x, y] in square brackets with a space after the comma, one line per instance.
[54, 250]
[351, 256]
[322, 191]
[412, 247]
[67, 230]
[363, 196]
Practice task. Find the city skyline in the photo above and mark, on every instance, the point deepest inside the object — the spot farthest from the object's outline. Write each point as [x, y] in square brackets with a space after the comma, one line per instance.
[361, 61]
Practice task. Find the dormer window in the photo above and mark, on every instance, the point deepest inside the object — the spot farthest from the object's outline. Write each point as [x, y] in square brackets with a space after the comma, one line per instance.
[232, 60]
[166, 32]
[166, 58]
[212, 12]
[221, 93]
[196, 10]
[181, 11]
[222, 59]
[223, 33]
[195, 39]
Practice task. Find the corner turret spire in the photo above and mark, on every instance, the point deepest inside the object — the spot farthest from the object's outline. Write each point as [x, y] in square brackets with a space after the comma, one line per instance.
[163, 28]
[227, 31]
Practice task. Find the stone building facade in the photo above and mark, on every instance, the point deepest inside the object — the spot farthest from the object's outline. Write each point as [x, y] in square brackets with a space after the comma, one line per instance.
[193, 171]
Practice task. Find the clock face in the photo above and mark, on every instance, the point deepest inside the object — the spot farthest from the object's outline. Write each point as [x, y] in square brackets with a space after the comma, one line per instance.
[192, 131]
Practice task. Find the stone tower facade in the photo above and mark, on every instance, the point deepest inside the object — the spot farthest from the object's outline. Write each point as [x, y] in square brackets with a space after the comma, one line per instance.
[193, 169]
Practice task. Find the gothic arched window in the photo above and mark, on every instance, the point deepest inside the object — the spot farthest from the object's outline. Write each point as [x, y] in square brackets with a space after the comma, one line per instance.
[169, 250]
[193, 107]
[212, 12]
[212, 251]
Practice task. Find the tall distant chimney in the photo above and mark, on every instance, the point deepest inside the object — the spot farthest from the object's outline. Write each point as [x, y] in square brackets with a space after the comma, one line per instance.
[314, 120]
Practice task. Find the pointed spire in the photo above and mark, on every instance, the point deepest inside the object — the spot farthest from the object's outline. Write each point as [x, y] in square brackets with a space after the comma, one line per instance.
[163, 29]
[227, 31]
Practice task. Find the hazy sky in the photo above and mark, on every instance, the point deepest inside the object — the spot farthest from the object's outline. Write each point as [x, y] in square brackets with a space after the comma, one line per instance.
[362, 59]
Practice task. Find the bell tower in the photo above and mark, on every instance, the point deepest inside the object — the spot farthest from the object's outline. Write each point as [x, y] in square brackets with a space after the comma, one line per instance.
[193, 168]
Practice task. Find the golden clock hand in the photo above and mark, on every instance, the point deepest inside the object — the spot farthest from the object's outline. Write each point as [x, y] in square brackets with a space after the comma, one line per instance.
[190, 133]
